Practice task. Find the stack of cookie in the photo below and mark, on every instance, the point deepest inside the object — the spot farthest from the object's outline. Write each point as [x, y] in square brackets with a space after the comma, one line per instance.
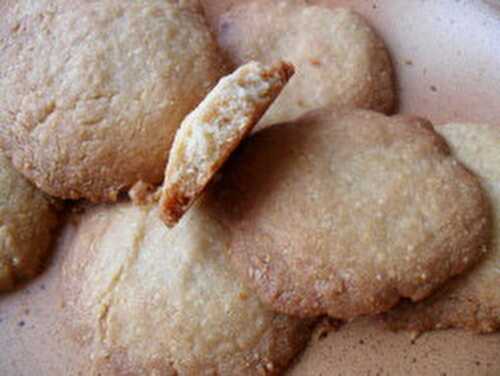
[327, 206]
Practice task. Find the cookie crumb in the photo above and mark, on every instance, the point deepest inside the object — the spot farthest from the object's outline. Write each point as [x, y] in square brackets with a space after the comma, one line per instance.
[243, 296]
[142, 193]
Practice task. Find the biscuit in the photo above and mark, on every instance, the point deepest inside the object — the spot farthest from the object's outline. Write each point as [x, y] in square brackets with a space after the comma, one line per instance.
[339, 59]
[345, 213]
[210, 133]
[149, 300]
[92, 92]
[470, 301]
[27, 220]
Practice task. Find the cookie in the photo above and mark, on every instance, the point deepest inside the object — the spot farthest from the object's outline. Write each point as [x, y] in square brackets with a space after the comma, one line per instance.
[149, 300]
[214, 129]
[28, 221]
[92, 92]
[339, 59]
[345, 213]
[470, 301]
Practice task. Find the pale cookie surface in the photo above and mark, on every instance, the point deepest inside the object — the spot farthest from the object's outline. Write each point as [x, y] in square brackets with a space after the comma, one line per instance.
[339, 59]
[149, 300]
[210, 133]
[345, 214]
[473, 300]
[92, 92]
[27, 221]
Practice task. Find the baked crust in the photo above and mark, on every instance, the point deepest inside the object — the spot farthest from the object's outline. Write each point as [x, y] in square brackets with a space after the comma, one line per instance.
[144, 299]
[340, 60]
[470, 301]
[346, 213]
[92, 92]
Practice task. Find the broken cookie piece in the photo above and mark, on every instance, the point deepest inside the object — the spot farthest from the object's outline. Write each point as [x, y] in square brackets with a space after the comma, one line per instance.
[214, 129]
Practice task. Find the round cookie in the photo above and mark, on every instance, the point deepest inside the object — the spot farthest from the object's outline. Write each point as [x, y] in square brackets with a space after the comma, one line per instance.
[27, 220]
[473, 300]
[149, 300]
[339, 59]
[345, 213]
[93, 92]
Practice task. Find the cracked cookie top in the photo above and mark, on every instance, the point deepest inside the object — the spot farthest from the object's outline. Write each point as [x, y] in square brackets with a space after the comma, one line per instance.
[146, 298]
[92, 92]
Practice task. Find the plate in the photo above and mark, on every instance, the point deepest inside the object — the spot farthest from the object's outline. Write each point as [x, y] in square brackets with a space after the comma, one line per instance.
[446, 54]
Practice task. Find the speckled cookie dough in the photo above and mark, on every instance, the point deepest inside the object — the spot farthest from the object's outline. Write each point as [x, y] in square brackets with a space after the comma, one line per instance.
[345, 213]
[471, 301]
[92, 92]
[339, 59]
[149, 300]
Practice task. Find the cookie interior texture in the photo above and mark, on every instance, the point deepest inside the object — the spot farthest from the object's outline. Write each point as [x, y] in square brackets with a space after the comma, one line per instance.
[339, 59]
[27, 224]
[473, 300]
[210, 133]
[148, 299]
[93, 92]
[345, 213]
